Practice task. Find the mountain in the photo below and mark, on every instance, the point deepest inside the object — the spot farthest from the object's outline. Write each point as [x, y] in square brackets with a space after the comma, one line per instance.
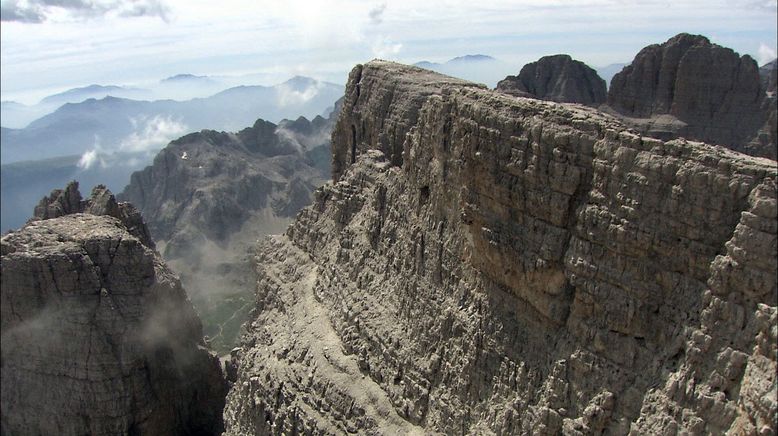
[607, 72]
[210, 195]
[98, 335]
[689, 87]
[77, 95]
[478, 68]
[17, 115]
[482, 264]
[186, 78]
[118, 124]
[557, 78]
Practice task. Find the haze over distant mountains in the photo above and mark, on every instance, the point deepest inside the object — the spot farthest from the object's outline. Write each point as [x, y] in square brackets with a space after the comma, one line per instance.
[477, 68]
[105, 140]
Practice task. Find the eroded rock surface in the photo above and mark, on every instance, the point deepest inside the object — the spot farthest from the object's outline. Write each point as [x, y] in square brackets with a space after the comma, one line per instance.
[690, 87]
[98, 336]
[486, 264]
[557, 78]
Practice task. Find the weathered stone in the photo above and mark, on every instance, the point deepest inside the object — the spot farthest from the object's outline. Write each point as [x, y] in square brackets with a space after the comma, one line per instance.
[98, 337]
[101, 202]
[485, 264]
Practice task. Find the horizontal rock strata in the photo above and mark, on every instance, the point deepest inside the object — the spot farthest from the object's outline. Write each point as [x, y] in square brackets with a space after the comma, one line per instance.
[98, 337]
[486, 264]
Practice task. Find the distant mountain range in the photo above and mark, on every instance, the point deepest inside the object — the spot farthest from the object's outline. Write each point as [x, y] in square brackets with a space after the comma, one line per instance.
[17, 115]
[122, 124]
[607, 72]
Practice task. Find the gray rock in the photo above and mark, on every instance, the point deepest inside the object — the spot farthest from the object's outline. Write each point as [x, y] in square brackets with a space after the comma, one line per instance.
[101, 202]
[557, 78]
[98, 336]
[710, 92]
[210, 195]
[489, 265]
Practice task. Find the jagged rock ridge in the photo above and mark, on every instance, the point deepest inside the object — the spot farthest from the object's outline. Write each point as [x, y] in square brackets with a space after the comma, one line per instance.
[557, 78]
[98, 336]
[485, 264]
[690, 87]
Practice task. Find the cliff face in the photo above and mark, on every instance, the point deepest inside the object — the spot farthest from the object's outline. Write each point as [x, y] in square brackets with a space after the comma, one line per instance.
[98, 337]
[689, 87]
[557, 78]
[483, 263]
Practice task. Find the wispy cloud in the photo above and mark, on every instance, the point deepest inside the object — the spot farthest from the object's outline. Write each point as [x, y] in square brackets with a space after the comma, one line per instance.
[92, 157]
[39, 11]
[152, 134]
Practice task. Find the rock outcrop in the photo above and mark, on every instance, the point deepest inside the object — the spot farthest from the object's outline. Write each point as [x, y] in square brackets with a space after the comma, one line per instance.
[68, 201]
[485, 264]
[557, 78]
[98, 336]
[210, 195]
[692, 88]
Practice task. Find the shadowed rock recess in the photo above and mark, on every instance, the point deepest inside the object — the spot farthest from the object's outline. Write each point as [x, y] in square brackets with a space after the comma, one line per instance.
[486, 264]
[98, 337]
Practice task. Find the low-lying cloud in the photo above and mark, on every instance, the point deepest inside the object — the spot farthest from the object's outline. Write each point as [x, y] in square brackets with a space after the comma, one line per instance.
[152, 133]
[766, 54]
[289, 95]
[39, 11]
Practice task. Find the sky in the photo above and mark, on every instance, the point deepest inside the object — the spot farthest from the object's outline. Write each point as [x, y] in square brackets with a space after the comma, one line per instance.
[47, 46]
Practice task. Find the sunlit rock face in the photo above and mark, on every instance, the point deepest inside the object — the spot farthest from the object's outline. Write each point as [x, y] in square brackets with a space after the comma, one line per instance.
[486, 264]
[98, 336]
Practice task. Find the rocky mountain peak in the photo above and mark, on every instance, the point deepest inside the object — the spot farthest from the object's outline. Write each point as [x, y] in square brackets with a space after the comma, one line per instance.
[68, 201]
[557, 78]
[690, 87]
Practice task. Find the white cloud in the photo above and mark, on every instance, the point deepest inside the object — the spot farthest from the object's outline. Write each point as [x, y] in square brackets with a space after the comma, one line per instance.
[88, 159]
[288, 95]
[765, 54]
[253, 36]
[152, 134]
[92, 157]
[384, 48]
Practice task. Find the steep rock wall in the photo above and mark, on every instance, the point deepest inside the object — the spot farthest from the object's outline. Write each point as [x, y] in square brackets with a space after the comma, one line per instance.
[98, 337]
[689, 87]
[490, 264]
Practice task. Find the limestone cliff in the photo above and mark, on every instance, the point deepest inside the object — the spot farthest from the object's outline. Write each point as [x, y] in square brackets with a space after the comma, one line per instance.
[490, 264]
[557, 78]
[98, 337]
[690, 87]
